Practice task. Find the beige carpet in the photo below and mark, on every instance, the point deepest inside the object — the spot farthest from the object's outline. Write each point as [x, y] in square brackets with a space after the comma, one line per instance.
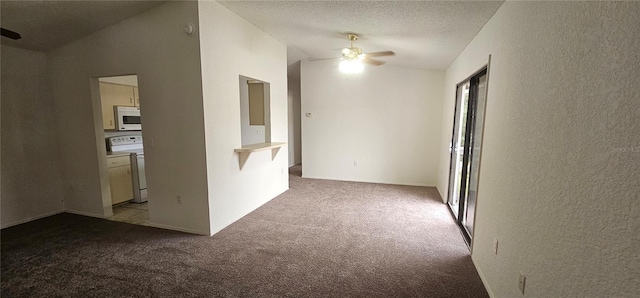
[319, 239]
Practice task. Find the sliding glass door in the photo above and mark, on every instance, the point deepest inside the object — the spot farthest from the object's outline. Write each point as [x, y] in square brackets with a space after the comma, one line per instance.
[465, 149]
[457, 147]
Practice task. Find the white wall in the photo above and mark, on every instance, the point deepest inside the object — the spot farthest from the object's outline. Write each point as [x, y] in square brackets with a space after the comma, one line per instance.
[559, 176]
[251, 134]
[231, 46]
[295, 121]
[387, 119]
[154, 46]
[32, 183]
[131, 80]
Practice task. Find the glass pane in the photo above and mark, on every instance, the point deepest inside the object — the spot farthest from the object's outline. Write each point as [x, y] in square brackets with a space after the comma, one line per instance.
[131, 119]
[474, 165]
[457, 148]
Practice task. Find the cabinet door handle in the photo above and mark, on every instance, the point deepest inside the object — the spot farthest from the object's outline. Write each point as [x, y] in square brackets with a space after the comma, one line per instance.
[111, 122]
[128, 171]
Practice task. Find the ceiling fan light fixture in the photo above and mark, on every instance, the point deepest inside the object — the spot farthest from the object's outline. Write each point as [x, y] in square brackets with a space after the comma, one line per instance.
[351, 66]
[352, 53]
[353, 58]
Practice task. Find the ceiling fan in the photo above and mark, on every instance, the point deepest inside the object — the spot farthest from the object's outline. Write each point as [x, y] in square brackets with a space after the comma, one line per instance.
[10, 34]
[355, 54]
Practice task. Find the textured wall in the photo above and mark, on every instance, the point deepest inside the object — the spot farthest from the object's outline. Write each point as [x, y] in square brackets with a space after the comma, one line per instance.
[32, 184]
[154, 46]
[231, 46]
[559, 181]
[386, 118]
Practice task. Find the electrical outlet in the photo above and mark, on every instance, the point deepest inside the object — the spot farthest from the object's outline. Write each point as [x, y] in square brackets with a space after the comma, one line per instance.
[521, 282]
[355, 163]
[495, 246]
[179, 199]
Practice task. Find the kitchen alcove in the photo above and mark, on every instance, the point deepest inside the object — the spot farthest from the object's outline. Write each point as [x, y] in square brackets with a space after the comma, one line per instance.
[119, 133]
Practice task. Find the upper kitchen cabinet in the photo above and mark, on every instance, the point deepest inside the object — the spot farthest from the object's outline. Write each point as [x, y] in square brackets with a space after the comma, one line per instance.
[115, 95]
[136, 96]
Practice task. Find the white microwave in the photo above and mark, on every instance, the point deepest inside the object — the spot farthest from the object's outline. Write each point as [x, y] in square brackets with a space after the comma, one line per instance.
[127, 118]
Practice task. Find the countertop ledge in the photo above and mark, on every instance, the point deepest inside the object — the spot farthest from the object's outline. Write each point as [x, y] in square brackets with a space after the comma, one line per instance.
[259, 147]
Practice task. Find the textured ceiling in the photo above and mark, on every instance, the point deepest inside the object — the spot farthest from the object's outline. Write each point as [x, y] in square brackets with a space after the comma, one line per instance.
[46, 25]
[424, 34]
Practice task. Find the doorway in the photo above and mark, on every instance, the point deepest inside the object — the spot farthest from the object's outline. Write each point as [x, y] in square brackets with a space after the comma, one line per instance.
[123, 139]
[466, 145]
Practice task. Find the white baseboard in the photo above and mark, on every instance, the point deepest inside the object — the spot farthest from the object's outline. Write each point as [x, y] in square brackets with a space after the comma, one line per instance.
[15, 223]
[444, 198]
[85, 213]
[179, 229]
[402, 183]
[484, 281]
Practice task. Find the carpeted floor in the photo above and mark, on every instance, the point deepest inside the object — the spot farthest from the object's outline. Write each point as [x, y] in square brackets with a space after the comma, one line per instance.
[319, 239]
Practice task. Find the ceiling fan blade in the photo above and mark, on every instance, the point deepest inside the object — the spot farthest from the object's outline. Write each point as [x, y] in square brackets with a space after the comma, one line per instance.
[321, 59]
[9, 34]
[380, 54]
[372, 62]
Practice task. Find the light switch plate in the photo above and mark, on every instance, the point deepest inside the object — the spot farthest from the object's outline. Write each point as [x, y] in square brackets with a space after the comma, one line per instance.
[521, 282]
[495, 246]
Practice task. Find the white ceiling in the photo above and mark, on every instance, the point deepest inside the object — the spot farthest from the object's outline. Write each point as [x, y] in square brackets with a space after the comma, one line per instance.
[46, 25]
[424, 34]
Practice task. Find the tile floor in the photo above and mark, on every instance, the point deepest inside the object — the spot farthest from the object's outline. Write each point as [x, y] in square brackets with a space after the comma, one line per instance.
[133, 213]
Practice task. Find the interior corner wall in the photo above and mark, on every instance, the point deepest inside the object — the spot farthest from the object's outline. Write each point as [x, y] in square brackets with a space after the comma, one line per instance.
[382, 125]
[154, 46]
[295, 125]
[231, 46]
[559, 181]
[32, 183]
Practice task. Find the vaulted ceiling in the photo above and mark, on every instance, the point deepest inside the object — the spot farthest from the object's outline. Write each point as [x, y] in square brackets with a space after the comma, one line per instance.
[46, 25]
[423, 34]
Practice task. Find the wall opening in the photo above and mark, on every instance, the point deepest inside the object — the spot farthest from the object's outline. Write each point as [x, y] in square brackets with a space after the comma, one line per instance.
[254, 111]
[124, 195]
